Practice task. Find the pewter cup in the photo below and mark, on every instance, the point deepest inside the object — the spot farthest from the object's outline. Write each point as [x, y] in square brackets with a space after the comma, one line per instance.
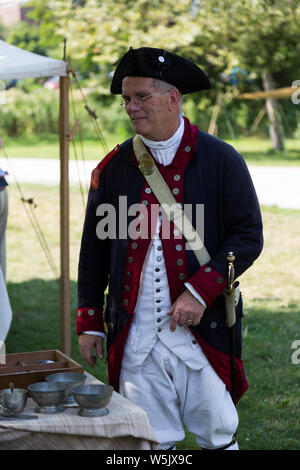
[49, 396]
[13, 401]
[93, 399]
[72, 379]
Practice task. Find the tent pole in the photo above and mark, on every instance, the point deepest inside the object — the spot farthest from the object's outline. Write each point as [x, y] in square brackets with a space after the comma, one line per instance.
[65, 314]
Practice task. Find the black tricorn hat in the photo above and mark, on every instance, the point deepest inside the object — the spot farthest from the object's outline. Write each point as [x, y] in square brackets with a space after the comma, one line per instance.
[160, 64]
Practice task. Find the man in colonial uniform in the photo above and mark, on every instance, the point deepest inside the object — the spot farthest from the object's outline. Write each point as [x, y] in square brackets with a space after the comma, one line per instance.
[167, 339]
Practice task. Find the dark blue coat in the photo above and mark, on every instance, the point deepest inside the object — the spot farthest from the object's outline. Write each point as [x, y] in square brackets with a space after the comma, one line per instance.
[215, 175]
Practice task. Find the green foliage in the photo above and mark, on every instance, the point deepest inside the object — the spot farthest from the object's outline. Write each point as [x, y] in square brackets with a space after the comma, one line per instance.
[3, 31]
[30, 113]
[38, 33]
[258, 35]
[254, 36]
[297, 131]
[32, 109]
[38, 112]
[26, 37]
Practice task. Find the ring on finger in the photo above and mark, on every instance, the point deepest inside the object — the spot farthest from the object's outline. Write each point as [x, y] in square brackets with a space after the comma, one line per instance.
[189, 322]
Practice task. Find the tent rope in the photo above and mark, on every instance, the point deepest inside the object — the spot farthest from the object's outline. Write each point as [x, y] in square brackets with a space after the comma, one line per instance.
[29, 206]
[29, 203]
[75, 150]
[91, 113]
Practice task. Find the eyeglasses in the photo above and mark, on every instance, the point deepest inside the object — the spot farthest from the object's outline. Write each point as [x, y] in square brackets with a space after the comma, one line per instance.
[139, 100]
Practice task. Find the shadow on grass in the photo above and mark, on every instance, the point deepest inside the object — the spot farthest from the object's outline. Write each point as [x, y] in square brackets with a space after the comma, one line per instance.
[269, 412]
[36, 321]
[270, 409]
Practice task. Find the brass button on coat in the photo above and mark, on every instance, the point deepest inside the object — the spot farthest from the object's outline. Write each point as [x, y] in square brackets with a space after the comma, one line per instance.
[146, 164]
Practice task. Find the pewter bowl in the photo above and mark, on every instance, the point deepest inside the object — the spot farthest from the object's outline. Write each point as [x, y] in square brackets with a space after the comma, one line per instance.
[49, 396]
[13, 401]
[72, 379]
[93, 399]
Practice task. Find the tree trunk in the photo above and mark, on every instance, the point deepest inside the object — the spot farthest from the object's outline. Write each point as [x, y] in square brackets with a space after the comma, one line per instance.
[272, 111]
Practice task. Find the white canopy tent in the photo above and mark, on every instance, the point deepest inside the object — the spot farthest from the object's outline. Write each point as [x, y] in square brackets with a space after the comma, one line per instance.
[16, 63]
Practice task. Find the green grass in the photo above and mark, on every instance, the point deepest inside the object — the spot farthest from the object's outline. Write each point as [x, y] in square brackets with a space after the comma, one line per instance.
[270, 410]
[47, 146]
[256, 151]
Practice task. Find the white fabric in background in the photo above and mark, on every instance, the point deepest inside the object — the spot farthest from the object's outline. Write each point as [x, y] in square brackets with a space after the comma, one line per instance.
[17, 63]
[5, 309]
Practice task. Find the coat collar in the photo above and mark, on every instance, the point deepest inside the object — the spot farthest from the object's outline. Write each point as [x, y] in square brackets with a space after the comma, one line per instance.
[186, 149]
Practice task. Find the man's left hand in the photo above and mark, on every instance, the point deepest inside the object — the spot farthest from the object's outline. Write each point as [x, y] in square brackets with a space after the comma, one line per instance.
[186, 311]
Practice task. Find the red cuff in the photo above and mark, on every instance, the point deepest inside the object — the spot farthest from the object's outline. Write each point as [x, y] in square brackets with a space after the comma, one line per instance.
[209, 283]
[89, 319]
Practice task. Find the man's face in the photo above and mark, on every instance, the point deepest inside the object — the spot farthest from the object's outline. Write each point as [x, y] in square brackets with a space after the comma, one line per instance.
[156, 118]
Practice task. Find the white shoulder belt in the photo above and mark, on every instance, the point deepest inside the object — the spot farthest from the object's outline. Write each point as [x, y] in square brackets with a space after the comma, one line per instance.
[176, 215]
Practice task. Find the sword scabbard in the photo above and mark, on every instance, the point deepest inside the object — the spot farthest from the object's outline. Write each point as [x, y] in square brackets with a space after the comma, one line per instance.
[231, 293]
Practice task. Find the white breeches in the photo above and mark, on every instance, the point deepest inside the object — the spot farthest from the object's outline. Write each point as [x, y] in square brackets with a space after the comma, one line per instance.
[170, 392]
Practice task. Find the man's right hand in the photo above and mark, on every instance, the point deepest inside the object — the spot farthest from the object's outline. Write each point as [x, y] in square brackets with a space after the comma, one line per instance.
[87, 343]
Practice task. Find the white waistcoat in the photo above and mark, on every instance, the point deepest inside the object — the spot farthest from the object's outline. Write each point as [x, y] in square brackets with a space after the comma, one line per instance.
[151, 322]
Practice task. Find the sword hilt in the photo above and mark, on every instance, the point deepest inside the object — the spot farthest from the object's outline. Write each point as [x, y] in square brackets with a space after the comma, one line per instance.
[230, 259]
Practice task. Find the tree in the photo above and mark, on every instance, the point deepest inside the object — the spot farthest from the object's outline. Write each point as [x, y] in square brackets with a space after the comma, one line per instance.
[262, 36]
[258, 36]
[37, 32]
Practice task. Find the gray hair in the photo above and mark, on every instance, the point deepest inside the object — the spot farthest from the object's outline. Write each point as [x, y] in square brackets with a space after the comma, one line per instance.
[160, 85]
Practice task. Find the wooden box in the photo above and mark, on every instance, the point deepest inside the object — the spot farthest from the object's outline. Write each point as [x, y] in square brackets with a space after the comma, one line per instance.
[23, 369]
